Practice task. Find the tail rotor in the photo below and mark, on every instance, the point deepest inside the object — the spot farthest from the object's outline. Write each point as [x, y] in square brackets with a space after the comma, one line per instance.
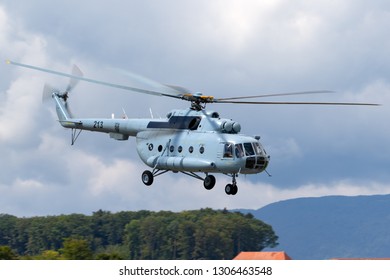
[48, 90]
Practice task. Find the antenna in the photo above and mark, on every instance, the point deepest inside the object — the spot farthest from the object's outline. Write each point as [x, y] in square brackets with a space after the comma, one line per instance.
[124, 114]
[151, 113]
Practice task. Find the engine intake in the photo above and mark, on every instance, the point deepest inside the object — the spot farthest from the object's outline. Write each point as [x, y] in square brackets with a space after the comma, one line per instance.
[230, 127]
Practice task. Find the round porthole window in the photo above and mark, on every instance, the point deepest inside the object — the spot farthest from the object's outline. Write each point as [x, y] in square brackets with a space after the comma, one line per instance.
[201, 150]
[171, 148]
[160, 148]
[180, 149]
[150, 147]
[191, 149]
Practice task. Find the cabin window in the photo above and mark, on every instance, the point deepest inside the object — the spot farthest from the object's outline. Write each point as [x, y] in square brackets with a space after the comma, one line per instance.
[172, 149]
[150, 147]
[201, 150]
[239, 151]
[191, 149]
[180, 149]
[248, 149]
[160, 148]
[228, 150]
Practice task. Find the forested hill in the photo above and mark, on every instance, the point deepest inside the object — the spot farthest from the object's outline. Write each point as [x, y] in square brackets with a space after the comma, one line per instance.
[201, 234]
[331, 227]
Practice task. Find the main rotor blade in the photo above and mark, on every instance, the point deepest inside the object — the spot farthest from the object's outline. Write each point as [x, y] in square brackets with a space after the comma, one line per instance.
[180, 89]
[297, 103]
[159, 87]
[151, 92]
[276, 94]
[180, 93]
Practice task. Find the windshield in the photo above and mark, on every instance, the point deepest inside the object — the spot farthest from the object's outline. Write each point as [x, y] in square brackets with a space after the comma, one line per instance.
[248, 149]
[258, 148]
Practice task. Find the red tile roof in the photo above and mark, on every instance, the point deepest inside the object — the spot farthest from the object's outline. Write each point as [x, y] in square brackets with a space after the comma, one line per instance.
[262, 256]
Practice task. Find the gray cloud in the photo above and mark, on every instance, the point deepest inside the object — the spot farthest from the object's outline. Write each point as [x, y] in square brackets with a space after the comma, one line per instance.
[223, 48]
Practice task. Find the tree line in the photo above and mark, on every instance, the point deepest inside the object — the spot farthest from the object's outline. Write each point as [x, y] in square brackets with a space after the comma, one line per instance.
[141, 235]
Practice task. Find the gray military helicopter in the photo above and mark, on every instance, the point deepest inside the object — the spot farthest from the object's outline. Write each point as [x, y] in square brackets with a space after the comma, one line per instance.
[189, 141]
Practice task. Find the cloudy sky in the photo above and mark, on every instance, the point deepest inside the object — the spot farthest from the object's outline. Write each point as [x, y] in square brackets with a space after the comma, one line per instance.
[221, 48]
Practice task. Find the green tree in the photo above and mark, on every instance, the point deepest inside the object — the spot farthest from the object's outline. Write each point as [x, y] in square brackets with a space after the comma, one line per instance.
[151, 229]
[76, 249]
[49, 255]
[204, 234]
[6, 253]
[198, 234]
[213, 238]
[112, 252]
[7, 228]
[186, 239]
[133, 239]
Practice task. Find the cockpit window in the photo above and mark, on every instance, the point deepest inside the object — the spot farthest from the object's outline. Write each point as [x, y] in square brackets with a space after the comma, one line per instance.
[228, 150]
[248, 149]
[257, 148]
[239, 151]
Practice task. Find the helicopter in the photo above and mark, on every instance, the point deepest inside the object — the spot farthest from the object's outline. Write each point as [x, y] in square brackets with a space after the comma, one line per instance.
[189, 141]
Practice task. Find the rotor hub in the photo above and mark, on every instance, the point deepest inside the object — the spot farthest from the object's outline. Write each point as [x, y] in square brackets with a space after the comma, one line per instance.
[197, 100]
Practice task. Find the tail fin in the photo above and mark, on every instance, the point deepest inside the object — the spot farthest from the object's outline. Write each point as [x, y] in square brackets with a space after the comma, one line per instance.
[62, 108]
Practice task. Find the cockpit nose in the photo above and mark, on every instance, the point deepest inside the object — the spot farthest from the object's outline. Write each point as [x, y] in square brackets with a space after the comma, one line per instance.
[257, 162]
[255, 156]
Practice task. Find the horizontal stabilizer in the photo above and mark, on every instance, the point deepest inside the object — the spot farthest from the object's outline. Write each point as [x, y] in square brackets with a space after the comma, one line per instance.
[70, 122]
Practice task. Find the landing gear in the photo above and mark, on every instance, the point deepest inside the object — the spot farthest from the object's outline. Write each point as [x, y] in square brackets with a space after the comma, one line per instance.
[209, 182]
[147, 177]
[232, 189]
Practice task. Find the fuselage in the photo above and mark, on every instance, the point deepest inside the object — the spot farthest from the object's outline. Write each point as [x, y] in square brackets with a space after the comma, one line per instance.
[200, 141]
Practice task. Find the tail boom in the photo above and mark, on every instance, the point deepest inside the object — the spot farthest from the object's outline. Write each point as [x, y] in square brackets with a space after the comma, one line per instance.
[119, 129]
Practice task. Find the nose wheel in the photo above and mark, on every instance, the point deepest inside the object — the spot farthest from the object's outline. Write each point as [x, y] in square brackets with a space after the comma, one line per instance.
[232, 189]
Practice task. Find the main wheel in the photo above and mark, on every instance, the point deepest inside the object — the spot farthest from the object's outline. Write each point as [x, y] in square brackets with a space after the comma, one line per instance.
[147, 177]
[209, 182]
